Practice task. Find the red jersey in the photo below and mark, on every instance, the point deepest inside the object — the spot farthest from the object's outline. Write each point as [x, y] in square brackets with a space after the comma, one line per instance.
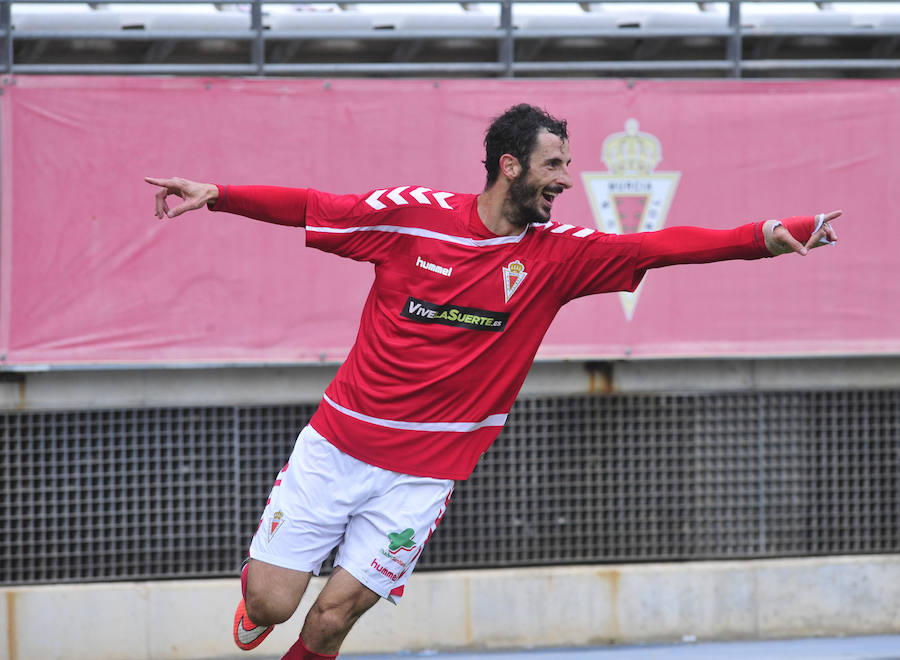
[456, 313]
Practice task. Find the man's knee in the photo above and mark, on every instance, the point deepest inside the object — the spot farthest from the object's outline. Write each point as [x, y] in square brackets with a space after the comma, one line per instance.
[266, 610]
[340, 604]
[332, 617]
[338, 615]
[273, 593]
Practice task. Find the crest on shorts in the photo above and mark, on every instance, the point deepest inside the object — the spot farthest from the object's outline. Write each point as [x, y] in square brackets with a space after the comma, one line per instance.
[401, 541]
[513, 276]
[631, 197]
[276, 523]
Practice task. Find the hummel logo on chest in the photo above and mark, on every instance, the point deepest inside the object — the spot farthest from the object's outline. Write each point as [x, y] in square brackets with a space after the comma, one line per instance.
[434, 268]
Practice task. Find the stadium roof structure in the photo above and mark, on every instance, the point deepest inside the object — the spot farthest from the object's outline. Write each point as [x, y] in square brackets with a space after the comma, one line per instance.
[508, 38]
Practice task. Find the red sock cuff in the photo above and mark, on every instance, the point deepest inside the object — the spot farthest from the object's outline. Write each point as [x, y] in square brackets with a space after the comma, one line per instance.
[299, 652]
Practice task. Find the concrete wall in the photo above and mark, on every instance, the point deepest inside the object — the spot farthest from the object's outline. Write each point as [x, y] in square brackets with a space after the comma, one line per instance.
[576, 605]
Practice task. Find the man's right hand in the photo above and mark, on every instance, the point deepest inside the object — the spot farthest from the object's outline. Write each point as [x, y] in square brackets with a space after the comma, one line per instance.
[195, 195]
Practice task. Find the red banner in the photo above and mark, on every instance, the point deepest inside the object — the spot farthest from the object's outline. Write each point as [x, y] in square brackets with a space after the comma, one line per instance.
[89, 275]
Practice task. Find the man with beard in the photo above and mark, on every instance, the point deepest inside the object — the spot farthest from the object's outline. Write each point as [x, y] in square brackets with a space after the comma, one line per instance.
[465, 288]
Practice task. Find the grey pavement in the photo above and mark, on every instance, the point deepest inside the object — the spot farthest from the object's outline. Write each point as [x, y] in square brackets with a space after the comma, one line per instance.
[881, 647]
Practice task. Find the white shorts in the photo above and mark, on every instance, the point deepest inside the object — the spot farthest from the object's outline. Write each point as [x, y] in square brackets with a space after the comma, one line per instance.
[323, 498]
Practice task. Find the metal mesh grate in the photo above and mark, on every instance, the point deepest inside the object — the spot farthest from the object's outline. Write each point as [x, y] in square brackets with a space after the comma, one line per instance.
[176, 492]
[116, 494]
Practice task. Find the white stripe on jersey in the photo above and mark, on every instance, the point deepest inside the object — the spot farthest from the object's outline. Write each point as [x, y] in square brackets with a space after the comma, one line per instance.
[562, 229]
[437, 427]
[424, 233]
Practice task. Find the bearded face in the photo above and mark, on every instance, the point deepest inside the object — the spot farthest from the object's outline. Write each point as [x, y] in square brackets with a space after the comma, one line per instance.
[531, 194]
[528, 201]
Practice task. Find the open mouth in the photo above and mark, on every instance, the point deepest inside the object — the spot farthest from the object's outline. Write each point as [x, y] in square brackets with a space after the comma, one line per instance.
[549, 195]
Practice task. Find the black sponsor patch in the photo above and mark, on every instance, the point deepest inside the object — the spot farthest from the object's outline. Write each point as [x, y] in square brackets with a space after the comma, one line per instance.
[455, 315]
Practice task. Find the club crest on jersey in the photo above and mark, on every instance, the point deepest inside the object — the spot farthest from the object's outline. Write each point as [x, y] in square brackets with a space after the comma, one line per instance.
[513, 276]
[630, 197]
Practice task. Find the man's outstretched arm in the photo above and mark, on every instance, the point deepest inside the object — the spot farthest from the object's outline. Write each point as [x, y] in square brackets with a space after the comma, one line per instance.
[283, 206]
[694, 245]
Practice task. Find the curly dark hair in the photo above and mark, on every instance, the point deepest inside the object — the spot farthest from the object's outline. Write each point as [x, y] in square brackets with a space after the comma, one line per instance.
[515, 132]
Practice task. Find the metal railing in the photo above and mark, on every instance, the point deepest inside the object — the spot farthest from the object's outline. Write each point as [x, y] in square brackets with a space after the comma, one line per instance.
[721, 43]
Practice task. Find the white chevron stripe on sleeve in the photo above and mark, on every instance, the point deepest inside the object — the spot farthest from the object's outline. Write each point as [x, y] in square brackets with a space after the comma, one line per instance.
[441, 198]
[373, 201]
[419, 195]
[395, 197]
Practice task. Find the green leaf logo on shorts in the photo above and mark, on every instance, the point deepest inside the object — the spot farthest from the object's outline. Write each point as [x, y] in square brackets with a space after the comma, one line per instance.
[402, 540]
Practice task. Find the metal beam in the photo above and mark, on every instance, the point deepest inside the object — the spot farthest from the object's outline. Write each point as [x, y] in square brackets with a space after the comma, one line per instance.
[615, 50]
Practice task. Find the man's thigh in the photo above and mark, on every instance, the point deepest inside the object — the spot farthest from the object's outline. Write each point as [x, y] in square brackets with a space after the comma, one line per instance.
[273, 592]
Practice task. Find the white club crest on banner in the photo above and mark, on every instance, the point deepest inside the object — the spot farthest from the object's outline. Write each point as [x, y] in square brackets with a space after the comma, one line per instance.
[630, 197]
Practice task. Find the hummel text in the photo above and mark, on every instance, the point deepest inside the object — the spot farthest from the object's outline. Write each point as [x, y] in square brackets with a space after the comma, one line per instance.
[434, 268]
[393, 577]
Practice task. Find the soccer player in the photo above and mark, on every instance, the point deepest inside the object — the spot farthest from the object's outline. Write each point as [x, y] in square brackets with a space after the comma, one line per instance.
[465, 287]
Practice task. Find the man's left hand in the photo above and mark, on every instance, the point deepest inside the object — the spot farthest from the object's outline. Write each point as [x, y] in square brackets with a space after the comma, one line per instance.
[780, 241]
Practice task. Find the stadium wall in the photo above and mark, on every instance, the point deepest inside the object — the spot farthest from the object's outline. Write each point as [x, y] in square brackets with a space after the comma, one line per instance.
[685, 485]
[535, 607]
